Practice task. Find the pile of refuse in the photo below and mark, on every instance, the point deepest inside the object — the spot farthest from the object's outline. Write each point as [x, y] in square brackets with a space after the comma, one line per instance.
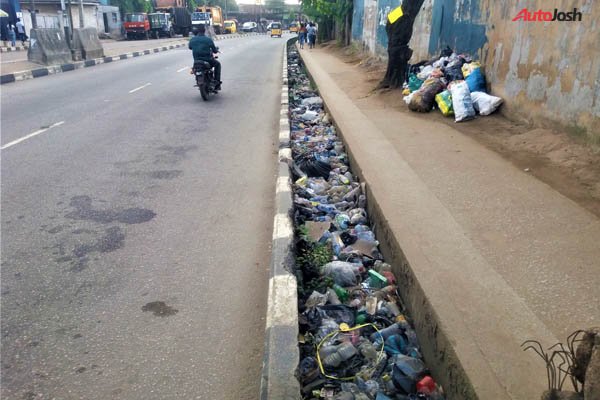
[356, 341]
[453, 82]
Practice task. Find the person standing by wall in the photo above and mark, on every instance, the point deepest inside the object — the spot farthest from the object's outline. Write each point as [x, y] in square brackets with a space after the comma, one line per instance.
[302, 35]
[312, 35]
[21, 31]
[12, 35]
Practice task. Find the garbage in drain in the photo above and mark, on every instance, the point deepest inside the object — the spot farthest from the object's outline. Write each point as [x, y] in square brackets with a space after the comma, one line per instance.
[357, 342]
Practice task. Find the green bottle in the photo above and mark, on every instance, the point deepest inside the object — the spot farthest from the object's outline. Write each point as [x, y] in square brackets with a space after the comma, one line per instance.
[341, 292]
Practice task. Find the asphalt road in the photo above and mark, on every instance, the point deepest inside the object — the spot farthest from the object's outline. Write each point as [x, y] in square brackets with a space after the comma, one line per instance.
[136, 230]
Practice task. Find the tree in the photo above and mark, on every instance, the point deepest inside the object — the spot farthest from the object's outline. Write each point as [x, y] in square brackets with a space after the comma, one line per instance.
[399, 33]
[333, 16]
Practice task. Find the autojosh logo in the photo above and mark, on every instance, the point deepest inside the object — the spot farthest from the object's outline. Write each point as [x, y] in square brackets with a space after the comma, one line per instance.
[548, 16]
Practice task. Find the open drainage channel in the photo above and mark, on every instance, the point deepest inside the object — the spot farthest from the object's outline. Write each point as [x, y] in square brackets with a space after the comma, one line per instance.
[356, 341]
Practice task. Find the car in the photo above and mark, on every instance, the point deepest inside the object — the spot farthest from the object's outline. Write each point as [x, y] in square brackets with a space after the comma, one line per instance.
[250, 27]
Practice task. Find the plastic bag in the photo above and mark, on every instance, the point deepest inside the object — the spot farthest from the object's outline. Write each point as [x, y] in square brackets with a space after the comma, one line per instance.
[343, 273]
[423, 99]
[425, 72]
[461, 101]
[314, 166]
[313, 101]
[414, 83]
[467, 68]
[484, 103]
[444, 102]
[408, 99]
[453, 73]
[309, 115]
[476, 81]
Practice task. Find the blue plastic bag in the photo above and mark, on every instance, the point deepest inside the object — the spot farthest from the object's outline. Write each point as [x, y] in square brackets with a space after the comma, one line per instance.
[476, 81]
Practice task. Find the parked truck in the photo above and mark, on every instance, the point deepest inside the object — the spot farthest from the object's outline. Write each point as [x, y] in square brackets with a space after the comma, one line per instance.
[201, 18]
[137, 26]
[216, 17]
[180, 19]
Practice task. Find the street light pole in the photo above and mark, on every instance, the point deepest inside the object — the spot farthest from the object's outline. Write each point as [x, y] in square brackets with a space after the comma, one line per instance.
[32, 13]
[81, 13]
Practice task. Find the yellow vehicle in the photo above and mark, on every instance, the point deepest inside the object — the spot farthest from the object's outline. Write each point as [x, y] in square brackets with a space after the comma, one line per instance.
[294, 26]
[275, 29]
[230, 26]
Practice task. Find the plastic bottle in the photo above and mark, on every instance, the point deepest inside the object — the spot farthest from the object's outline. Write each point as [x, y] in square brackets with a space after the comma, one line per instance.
[341, 293]
[333, 356]
[368, 351]
[383, 334]
[327, 208]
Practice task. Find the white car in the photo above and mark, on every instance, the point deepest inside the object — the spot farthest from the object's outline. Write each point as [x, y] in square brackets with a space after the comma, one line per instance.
[250, 27]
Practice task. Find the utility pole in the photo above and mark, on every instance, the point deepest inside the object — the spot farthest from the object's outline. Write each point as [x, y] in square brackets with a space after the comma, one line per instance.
[33, 16]
[70, 20]
[225, 9]
[81, 13]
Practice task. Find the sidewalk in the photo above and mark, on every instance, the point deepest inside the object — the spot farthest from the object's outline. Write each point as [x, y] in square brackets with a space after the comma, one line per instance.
[495, 257]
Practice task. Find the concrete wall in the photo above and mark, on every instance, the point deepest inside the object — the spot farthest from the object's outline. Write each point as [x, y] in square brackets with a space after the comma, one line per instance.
[114, 20]
[547, 72]
[48, 15]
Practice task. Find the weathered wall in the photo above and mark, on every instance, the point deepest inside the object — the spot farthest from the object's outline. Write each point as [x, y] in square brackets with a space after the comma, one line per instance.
[548, 72]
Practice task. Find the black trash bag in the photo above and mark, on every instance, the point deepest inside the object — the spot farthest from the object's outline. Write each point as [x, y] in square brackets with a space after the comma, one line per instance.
[454, 73]
[308, 370]
[340, 313]
[447, 52]
[312, 166]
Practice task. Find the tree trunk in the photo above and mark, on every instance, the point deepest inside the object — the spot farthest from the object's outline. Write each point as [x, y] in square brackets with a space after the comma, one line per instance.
[348, 26]
[399, 34]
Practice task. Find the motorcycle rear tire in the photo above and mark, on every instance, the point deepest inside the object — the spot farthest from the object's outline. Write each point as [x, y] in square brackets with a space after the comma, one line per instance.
[204, 91]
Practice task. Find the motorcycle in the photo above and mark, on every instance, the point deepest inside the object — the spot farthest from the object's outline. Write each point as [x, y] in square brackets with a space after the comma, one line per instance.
[205, 78]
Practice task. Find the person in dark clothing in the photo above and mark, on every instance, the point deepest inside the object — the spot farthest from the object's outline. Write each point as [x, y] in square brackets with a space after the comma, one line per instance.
[203, 49]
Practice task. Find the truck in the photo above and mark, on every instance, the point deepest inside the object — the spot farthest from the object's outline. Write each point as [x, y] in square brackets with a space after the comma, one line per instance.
[179, 17]
[201, 18]
[161, 25]
[216, 17]
[137, 25]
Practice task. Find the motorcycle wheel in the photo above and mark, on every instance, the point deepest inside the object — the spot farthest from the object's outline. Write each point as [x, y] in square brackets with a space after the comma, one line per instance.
[203, 91]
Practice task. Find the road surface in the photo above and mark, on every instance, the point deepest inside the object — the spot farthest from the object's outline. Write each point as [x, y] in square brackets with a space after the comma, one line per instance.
[136, 226]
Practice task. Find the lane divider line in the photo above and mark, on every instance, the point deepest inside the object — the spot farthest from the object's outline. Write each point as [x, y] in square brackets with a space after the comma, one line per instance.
[140, 88]
[40, 131]
[182, 69]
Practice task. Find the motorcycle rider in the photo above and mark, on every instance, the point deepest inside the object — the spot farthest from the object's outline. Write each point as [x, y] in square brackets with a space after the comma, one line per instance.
[203, 49]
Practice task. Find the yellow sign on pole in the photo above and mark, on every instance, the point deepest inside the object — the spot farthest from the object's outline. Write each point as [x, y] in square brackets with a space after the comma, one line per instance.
[395, 14]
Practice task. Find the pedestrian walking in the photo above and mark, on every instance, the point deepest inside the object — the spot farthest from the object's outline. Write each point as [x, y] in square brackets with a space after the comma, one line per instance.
[312, 35]
[21, 31]
[12, 35]
[302, 35]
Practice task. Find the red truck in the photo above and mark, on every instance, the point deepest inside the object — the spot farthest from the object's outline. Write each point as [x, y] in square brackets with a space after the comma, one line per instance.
[137, 25]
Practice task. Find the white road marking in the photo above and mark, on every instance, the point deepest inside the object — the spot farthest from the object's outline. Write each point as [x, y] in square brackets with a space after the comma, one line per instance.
[140, 88]
[182, 69]
[7, 145]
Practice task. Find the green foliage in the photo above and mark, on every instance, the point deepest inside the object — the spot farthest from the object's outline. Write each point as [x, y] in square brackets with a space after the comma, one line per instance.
[276, 6]
[330, 14]
[130, 6]
[313, 258]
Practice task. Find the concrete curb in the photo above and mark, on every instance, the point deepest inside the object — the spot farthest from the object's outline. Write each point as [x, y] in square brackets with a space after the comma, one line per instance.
[10, 49]
[55, 69]
[281, 357]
